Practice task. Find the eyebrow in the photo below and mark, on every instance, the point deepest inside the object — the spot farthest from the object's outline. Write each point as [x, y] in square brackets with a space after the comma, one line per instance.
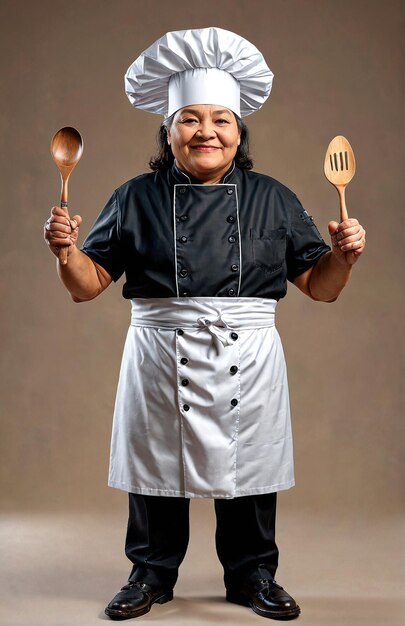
[217, 112]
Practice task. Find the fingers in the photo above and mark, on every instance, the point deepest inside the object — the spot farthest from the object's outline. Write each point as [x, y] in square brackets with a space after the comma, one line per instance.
[348, 236]
[60, 230]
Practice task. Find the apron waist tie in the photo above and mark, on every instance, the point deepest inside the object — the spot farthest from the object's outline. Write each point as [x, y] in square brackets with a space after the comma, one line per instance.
[218, 329]
[219, 316]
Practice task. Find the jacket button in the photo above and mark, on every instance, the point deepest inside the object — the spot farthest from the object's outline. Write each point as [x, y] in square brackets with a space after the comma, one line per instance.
[184, 294]
[234, 336]
[231, 292]
[183, 218]
[229, 192]
[180, 331]
[234, 267]
[233, 369]
[183, 273]
[184, 361]
[183, 239]
[230, 219]
[182, 190]
[186, 407]
[185, 382]
[234, 402]
[231, 239]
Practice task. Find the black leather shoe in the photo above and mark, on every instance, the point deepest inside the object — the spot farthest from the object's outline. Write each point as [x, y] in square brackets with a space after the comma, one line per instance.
[136, 599]
[266, 598]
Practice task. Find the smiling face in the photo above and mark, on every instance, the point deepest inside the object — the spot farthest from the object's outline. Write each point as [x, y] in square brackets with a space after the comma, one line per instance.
[204, 139]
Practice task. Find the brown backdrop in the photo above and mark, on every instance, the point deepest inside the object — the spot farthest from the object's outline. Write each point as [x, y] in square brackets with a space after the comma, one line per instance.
[337, 70]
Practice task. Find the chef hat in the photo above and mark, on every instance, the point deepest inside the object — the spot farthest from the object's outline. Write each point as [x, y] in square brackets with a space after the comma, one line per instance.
[199, 66]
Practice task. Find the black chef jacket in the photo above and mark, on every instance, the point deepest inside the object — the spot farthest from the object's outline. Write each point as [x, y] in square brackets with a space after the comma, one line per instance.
[174, 237]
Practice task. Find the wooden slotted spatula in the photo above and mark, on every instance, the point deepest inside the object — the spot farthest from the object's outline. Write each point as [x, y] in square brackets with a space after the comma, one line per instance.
[339, 168]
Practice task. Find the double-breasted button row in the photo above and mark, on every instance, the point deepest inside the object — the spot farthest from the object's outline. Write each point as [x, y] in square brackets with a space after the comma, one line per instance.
[185, 382]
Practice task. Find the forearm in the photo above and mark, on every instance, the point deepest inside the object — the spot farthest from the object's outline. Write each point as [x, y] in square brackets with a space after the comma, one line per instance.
[328, 277]
[80, 276]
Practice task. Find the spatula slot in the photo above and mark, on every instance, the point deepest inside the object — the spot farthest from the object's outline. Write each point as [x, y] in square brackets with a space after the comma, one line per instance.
[346, 161]
[335, 161]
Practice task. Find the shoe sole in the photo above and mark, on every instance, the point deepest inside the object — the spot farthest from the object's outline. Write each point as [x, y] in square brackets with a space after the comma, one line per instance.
[280, 615]
[120, 615]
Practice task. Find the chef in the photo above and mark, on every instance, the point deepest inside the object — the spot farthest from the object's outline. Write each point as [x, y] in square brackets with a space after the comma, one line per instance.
[207, 247]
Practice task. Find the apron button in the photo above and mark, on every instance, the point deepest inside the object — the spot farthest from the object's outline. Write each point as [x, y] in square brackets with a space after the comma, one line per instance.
[234, 336]
[184, 361]
[185, 382]
[180, 331]
[234, 402]
[186, 407]
[233, 369]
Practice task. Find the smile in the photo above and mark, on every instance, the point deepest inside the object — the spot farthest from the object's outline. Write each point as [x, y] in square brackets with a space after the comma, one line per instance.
[205, 148]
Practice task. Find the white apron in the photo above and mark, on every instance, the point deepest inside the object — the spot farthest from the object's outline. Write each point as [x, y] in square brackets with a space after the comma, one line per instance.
[202, 407]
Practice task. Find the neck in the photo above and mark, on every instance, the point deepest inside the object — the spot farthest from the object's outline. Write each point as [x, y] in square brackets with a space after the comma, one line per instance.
[211, 178]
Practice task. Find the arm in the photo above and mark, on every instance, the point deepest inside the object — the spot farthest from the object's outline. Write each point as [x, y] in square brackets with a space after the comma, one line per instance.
[326, 279]
[83, 278]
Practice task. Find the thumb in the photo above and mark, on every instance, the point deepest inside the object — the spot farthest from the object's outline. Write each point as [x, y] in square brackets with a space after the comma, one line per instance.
[332, 226]
[75, 221]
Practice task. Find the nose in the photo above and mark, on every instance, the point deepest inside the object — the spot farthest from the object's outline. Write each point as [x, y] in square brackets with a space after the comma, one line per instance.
[206, 130]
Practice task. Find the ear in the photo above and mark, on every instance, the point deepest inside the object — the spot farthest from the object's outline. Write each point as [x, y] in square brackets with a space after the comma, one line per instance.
[239, 140]
[168, 136]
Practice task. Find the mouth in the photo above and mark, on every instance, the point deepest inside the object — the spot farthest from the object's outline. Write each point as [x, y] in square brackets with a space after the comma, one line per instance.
[205, 148]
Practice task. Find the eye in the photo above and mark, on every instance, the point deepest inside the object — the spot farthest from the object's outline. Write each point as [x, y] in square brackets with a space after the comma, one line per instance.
[189, 120]
[222, 121]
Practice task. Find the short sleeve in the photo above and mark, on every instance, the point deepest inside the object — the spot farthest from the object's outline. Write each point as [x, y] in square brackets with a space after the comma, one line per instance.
[306, 244]
[102, 244]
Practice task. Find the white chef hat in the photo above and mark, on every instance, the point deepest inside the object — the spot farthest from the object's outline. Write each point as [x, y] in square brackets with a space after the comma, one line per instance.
[199, 66]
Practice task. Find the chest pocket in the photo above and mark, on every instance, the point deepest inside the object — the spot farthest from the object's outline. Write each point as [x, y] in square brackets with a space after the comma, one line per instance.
[269, 249]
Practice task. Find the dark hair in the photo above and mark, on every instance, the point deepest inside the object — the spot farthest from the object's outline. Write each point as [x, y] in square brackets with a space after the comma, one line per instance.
[164, 158]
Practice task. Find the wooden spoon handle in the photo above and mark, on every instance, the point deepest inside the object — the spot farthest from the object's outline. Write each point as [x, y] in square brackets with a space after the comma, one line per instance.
[343, 209]
[63, 252]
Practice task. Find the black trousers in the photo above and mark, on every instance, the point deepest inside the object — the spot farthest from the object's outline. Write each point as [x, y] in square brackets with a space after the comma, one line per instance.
[158, 535]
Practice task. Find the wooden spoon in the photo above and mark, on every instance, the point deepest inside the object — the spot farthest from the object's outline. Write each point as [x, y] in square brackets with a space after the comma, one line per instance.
[339, 168]
[66, 149]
